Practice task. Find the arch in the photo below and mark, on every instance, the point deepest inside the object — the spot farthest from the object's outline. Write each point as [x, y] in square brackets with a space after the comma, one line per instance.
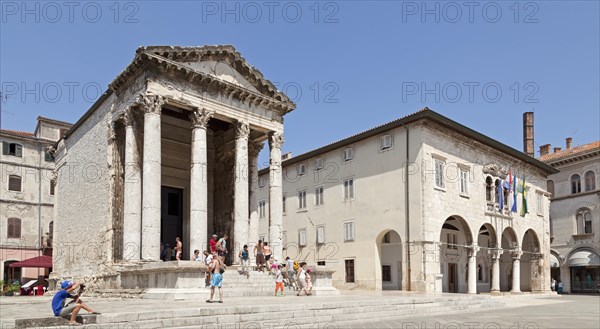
[455, 235]
[486, 240]
[575, 181]
[489, 189]
[508, 243]
[583, 221]
[531, 274]
[590, 180]
[390, 251]
[584, 269]
[555, 264]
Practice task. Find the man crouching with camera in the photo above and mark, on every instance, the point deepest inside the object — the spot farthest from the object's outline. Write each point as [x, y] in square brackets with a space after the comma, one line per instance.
[72, 308]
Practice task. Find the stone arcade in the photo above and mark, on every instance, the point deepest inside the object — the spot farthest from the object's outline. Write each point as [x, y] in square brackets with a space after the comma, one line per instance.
[170, 150]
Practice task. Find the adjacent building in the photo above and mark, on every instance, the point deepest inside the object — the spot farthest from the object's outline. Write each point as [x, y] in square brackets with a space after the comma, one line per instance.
[415, 204]
[575, 215]
[27, 196]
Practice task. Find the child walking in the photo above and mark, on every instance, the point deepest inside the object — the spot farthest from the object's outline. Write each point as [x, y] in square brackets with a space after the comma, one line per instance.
[279, 281]
[308, 288]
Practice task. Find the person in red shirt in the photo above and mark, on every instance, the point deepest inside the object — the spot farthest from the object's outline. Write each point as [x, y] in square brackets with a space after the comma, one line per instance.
[213, 244]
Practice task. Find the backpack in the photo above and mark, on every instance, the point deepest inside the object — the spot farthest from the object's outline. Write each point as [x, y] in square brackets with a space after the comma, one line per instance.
[296, 265]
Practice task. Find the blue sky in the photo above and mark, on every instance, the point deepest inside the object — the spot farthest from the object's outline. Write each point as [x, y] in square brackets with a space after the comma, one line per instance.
[357, 64]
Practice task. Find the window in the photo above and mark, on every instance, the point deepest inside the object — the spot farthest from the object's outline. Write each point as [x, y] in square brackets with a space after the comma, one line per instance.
[13, 149]
[348, 154]
[262, 209]
[451, 240]
[301, 169]
[319, 163]
[48, 157]
[14, 228]
[52, 186]
[584, 221]
[489, 189]
[386, 273]
[439, 173]
[348, 189]
[284, 239]
[496, 192]
[14, 183]
[302, 237]
[550, 187]
[464, 180]
[590, 181]
[540, 204]
[349, 231]
[349, 265]
[284, 203]
[320, 234]
[261, 182]
[319, 196]
[386, 142]
[302, 199]
[575, 184]
[63, 132]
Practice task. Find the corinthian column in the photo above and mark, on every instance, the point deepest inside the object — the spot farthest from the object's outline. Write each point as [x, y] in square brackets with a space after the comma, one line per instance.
[132, 209]
[198, 182]
[151, 181]
[240, 220]
[472, 270]
[275, 194]
[496, 270]
[253, 150]
[516, 273]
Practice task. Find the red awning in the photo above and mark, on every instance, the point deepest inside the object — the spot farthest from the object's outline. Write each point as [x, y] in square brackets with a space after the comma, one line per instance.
[40, 261]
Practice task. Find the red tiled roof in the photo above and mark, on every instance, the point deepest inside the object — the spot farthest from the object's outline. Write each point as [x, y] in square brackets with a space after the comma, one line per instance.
[595, 146]
[17, 133]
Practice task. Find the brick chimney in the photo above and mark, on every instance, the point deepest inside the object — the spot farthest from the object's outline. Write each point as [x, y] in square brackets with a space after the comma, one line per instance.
[544, 149]
[569, 142]
[557, 149]
[528, 133]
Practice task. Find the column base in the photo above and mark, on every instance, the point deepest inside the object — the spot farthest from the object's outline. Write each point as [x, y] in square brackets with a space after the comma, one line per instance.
[516, 292]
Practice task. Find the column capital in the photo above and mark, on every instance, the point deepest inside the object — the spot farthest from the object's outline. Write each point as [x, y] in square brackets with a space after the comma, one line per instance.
[495, 253]
[242, 130]
[276, 140]
[516, 254]
[127, 117]
[151, 103]
[200, 117]
[473, 249]
[254, 148]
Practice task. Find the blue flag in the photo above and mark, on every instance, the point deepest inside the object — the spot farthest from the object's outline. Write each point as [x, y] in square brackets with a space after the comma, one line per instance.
[514, 205]
[500, 196]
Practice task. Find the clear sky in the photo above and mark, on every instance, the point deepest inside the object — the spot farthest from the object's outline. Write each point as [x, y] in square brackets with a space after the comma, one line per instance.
[349, 65]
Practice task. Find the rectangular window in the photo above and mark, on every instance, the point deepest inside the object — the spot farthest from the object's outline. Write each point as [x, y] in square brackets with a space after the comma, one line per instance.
[348, 189]
[301, 169]
[386, 142]
[349, 265]
[52, 187]
[48, 157]
[302, 199]
[386, 273]
[261, 182]
[349, 231]
[439, 173]
[319, 163]
[464, 181]
[14, 183]
[320, 234]
[319, 196]
[284, 203]
[540, 204]
[302, 237]
[588, 222]
[13, 149]
[262, 205]
[348, 154]
[451, 240]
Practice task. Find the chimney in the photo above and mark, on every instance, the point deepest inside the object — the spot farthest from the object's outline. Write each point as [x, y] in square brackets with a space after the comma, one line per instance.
[557, 149]
[569, 142]
[528, 133]
[544, 149]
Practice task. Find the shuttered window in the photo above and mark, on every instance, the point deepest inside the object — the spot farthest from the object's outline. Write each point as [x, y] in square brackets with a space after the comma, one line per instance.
[14, 183]
[14, 228]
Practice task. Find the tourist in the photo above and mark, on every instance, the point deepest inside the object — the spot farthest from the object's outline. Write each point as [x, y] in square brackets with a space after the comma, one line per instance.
[218, 269]
[245, 260]
[178, 248]
[259, 255]
[301, 278]
[213, 244]
[222, 246]
[560, 287]
[279, 281]
[291, 272]
[267, 252]
[274, 265]
[209, 262]
[197, 257]
[70, 310]
[553, 284]
[308, 287]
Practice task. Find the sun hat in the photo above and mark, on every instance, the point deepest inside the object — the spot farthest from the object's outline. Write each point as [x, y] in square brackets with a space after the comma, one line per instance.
[66, 284]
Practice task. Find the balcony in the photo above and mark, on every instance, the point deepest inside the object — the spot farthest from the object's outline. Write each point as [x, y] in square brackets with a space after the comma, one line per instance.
[493, 208]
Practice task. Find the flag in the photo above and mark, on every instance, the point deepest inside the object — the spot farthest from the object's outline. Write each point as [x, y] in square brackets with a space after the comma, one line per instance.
[524, 200]
[514, 191]
[508, 186]
[500, 196]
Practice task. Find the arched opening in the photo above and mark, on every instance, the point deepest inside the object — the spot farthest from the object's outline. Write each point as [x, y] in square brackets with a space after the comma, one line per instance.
[390, 258]
[455, 236]
[11, 274]
[584, 270]
[508, 243]
[486, 240]
[531, 273]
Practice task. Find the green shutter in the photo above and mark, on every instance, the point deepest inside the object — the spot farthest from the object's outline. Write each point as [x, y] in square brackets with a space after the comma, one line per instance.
[48, 157]
[5, 148]
[19, 150]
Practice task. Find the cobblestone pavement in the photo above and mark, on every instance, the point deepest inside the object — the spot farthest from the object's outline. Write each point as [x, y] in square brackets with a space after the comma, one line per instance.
[522, 312]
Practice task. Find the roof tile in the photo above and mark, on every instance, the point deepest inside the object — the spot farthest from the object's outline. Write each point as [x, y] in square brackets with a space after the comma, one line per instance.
[570, 152]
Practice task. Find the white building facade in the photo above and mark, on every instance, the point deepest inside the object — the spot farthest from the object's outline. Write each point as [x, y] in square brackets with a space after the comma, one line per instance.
[27, 196]
[413, 205]
[575, 215]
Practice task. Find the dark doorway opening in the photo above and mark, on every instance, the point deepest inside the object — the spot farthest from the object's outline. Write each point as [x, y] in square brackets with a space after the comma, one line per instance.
[171, 222]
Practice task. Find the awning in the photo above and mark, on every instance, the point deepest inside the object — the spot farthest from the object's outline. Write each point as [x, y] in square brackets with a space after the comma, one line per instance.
[39, 261]
[584, 258]
[554, 261]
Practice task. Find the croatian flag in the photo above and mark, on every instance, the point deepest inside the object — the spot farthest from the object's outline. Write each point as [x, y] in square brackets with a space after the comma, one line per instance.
[514, 191]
